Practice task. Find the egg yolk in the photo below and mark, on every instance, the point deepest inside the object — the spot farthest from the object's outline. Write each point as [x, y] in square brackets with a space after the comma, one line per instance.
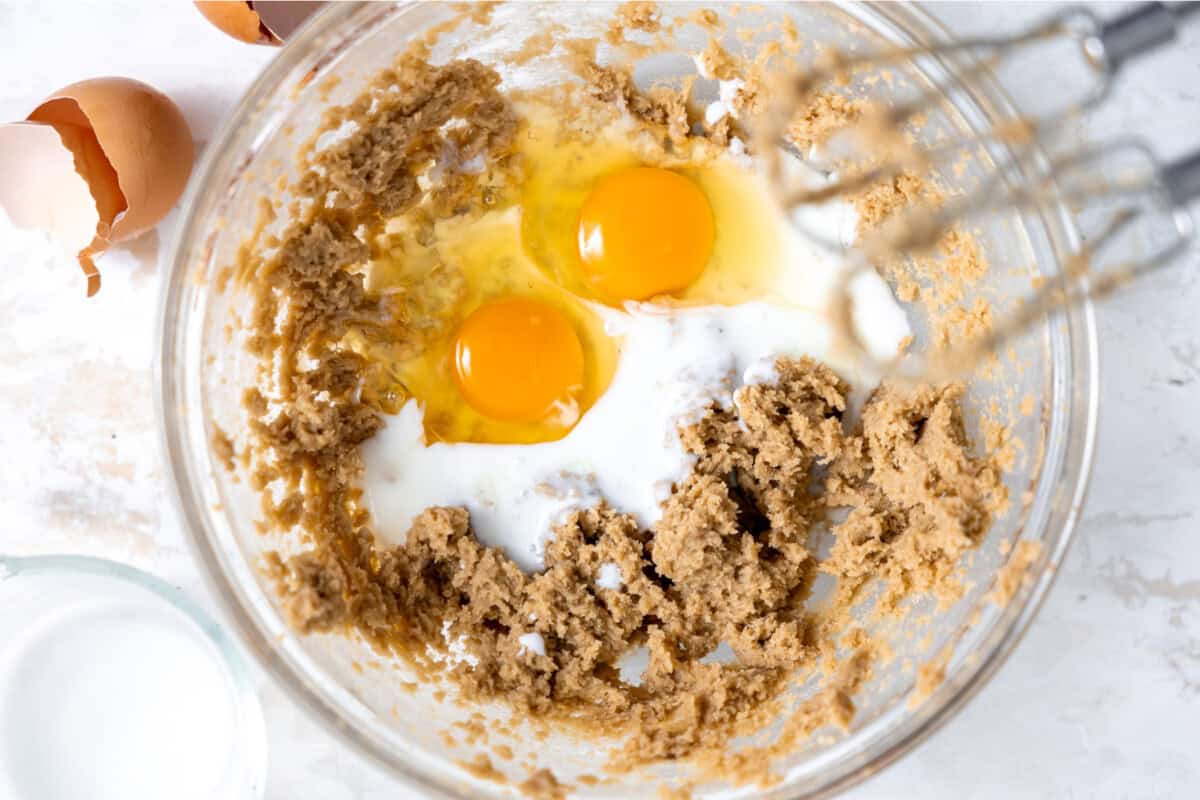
[519, 360]
[644, 231]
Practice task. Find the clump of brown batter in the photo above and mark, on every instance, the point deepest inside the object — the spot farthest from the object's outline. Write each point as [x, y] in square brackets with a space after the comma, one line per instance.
[918, 498]
[728, 562]
[732, 560]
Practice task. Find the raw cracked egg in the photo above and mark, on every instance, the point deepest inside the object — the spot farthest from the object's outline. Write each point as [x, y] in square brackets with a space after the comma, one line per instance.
[507, 355]
[555, 344]
[611, 226]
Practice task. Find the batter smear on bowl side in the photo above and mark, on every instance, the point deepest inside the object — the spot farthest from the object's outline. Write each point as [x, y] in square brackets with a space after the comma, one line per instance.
[524, 545]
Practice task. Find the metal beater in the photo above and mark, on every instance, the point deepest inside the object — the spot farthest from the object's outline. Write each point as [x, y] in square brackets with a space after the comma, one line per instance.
[1125, 176]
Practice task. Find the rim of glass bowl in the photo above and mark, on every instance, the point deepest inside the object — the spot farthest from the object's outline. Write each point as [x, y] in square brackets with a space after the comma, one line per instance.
[881, 741]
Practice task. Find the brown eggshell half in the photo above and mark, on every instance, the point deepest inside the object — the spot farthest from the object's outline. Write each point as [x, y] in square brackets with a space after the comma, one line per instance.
[143, 138]
[237, 19]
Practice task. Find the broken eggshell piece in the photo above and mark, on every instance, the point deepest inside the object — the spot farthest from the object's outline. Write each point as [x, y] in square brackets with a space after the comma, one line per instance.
[129, 145]
[268, 23]
[143, 136]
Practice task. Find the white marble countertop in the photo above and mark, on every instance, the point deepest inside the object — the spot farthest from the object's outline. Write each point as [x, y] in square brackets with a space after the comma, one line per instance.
[1101, 700]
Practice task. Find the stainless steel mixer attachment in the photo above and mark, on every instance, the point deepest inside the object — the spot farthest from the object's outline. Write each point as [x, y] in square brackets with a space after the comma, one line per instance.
[1122, 181]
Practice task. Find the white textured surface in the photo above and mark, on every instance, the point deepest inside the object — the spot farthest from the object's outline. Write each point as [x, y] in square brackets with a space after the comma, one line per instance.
[1102, 699]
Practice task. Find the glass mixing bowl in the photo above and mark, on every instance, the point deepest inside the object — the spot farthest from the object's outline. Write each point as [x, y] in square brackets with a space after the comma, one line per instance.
[373, 707]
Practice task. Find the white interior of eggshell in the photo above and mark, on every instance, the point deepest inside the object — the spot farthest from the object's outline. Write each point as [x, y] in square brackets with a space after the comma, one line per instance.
[283, 19]
[39, 187]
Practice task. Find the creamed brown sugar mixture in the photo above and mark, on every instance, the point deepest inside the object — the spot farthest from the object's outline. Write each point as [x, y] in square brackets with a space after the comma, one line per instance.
[899, 487]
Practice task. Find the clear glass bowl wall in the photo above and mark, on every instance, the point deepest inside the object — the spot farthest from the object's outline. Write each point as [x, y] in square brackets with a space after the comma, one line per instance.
[203, 370]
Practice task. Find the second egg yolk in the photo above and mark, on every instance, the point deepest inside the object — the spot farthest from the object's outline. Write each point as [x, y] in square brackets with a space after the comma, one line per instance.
[644, 231]
[520, 360]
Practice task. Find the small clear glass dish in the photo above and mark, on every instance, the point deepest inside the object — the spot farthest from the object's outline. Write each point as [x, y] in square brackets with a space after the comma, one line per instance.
[115, 686]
